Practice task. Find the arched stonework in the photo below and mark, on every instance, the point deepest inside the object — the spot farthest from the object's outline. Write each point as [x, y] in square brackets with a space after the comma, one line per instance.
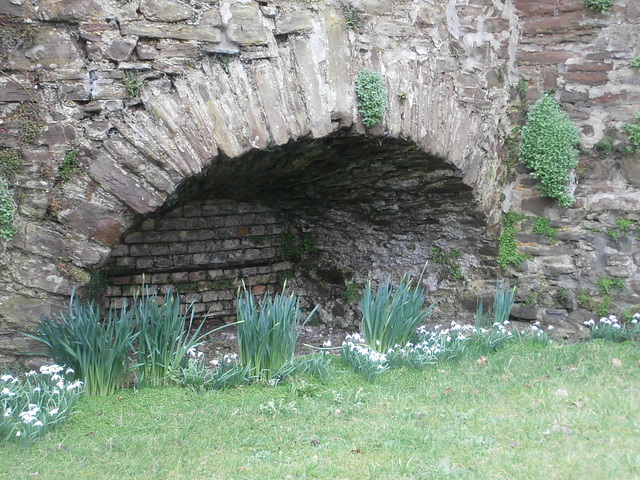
[236, 80]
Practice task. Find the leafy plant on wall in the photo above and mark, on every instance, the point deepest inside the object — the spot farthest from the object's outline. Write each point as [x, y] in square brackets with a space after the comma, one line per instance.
[549, 141]
[372, 96]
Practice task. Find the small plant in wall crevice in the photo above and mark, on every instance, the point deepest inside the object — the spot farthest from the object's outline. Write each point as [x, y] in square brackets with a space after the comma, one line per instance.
[599, 5]
[372, 96]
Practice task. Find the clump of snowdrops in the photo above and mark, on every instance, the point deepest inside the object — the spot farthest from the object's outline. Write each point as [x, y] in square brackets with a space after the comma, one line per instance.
[612, 329]
[34, 403]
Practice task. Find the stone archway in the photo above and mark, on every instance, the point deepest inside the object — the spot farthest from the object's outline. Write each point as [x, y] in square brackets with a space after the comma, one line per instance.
[326, 214]
[232, 82]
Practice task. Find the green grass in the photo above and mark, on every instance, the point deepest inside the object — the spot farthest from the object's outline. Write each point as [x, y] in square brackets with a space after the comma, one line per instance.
[459, 420]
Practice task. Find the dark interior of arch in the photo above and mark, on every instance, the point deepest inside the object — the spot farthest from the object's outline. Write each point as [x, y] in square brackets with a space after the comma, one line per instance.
[325, 214]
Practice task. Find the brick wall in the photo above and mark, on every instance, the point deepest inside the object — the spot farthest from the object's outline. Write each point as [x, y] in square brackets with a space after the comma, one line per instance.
[204, 249]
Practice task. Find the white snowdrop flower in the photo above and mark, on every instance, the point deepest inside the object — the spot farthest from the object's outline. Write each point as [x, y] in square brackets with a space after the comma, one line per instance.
[18, 433]
[37, 389]
[55, 377]
[510, 333]
[6, 391]
[74, 385]
[326, 343]
[551, 327]
[192, 352]
[70, 370]
[56, 391]
[37, 424]
[215, 362]
[53, 411]
[507, 322]
[7, 412]
[31, 373]
[378, 343]
[616, 325]
[6, 378]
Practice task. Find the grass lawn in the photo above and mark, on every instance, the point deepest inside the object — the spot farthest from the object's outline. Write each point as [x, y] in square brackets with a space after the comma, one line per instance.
[533, 412]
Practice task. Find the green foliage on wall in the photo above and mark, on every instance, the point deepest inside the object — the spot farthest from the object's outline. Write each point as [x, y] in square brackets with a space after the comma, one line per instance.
[28, 116]
[448, 259]
[548, 148]
[507, 250]
[69, 165]
[14, 34]
[10, 161]
[633, 130]
[8, 212]
[295, 248]
[599, 5]
[635, 62]
[542, 226]
[132, 82]
[372, 93]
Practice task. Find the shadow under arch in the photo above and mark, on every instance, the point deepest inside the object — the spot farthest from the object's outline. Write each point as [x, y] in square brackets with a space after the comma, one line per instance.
[327, 214]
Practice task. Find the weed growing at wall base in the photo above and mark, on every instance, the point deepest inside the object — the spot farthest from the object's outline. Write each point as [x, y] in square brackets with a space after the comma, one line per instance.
[549, 141]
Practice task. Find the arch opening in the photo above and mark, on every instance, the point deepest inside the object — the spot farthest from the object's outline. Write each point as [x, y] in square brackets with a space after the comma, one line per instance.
[325, 214]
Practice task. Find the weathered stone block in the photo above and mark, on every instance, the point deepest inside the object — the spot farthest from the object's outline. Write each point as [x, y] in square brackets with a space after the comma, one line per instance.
[544, 58]
[165, 10]
[247, 34]
[299, 21]
[557, 265]
[202, 33]
[539, 7]
[619, 265]
[587, 78]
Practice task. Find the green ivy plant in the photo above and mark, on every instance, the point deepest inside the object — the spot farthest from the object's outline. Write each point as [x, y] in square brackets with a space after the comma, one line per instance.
[548, 148]
[372, 93]
[8, 212]
[542, 226]
[633, 130]
[69, 165]
[507, 250]
[132, 82]
[599, 5]
[635, 62]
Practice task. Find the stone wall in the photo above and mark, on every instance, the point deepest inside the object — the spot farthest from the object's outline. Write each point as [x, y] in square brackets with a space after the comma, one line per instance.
[165, 100]
[585, 56]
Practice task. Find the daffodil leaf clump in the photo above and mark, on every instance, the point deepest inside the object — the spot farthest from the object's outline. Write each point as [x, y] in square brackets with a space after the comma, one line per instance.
[372, 96]
[549, 141]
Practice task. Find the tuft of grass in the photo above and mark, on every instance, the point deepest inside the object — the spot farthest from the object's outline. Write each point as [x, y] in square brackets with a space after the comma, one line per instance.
[165, 336]
[391, 315]
[503, 301]
[267, 332]
[132, 82]
[94, 347]
[69, 165]
[528, 402]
